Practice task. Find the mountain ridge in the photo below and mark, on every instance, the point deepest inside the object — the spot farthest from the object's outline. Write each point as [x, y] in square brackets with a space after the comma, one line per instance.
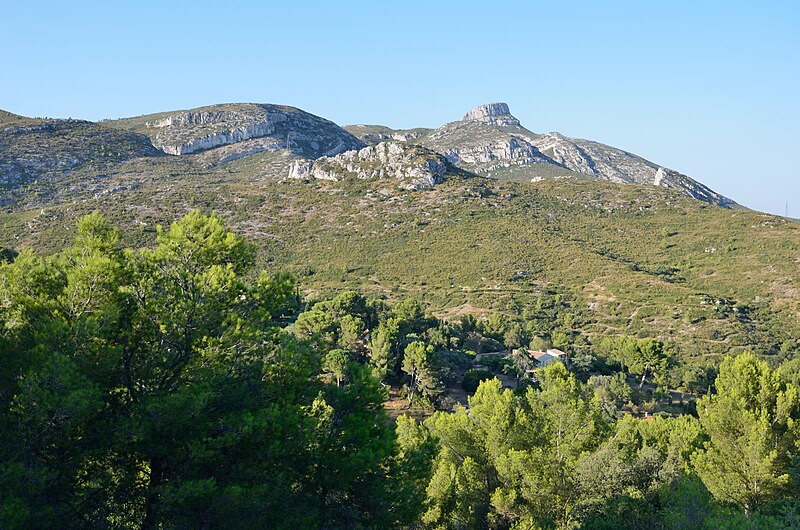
[488, 141]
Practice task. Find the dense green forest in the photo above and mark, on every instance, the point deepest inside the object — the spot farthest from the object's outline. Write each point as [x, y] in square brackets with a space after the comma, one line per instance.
[177, 387]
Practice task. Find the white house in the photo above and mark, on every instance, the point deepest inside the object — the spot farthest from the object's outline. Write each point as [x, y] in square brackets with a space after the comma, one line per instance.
[543, 358]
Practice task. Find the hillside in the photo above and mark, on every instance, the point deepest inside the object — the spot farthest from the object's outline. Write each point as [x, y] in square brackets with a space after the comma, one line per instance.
[395, 220]
[32, 149]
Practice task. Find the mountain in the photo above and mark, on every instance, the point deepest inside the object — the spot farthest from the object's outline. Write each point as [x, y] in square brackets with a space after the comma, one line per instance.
[490, 141]
[449, 215]
[487, 141]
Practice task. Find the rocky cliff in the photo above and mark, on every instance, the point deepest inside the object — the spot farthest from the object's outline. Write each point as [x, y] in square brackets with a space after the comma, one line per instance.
[477, 147]
[276, 126]
[411, 167]
[497, 114]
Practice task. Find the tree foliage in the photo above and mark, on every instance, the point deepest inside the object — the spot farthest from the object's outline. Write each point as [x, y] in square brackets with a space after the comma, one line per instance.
[753, 425]
[155, 387]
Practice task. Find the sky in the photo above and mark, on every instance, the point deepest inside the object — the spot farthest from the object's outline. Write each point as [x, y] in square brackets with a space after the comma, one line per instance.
[708, 88]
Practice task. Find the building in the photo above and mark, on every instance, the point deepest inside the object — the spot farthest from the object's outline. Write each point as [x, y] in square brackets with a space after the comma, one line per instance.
[543, 358]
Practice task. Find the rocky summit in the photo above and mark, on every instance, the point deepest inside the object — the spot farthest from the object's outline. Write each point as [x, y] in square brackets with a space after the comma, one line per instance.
[496, 114]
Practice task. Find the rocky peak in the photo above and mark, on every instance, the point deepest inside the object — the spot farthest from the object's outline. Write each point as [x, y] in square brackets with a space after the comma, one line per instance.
[492, 114]
[480, 143]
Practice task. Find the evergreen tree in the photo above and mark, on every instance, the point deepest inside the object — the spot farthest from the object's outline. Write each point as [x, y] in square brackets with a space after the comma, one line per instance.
[418, 364]
[753, 422]
[155, 388]
[383, 347]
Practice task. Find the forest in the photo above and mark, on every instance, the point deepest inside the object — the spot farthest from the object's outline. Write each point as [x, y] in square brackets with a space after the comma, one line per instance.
[177, 386]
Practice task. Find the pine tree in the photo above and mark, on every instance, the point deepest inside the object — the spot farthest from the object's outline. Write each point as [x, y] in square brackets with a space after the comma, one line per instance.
[753, 422]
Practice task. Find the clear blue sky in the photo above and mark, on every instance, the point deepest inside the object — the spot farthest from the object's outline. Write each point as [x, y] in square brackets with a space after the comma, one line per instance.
[707, 88]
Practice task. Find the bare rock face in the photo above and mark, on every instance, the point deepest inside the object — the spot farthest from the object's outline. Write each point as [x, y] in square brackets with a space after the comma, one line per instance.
[216, 139]
[496, 114]
[504, 152]
[278, 126]
[413, 167]
[485, 140]
[609, 163]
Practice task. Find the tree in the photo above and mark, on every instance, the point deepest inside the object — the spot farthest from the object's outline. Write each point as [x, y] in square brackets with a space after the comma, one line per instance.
[611, 389]
[495, 326]
[155, 388]
[753, 422]
[351, 333]
[569, 428]
[645, 356]
[463, 473]
[57, 358]
[201, 358]
[411, 316]
[418, 364]
[338, 323]
[559, 339]
[539, 344]
[649, 356]
[514, 336]
[790, 372]
[382, 343]
[512, 461]
[336, 363]
[621, 350]
[409, 471]
[352, 446]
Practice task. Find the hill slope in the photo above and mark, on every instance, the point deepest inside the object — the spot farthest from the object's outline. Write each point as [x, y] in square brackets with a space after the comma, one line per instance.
[644, 260]
[33, 149]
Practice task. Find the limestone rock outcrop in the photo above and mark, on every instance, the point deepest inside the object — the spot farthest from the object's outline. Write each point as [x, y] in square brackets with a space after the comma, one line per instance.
[609, 163]
[497, 114]
[412, 167]
[512, 150]
[281, 127]
[230, 136]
